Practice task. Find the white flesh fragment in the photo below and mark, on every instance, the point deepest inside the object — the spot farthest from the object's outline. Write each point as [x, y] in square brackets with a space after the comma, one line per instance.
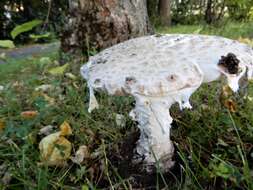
[233, 79]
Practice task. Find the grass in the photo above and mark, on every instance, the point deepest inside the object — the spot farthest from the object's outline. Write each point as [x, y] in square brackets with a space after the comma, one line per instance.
[214, 146]
[232, 30]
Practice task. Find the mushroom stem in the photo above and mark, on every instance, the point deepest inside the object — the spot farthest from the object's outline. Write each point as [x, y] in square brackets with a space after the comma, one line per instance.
[154, 121]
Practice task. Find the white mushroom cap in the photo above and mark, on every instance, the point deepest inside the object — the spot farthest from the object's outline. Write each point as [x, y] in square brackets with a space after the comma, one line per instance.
[141, 55]
[141, 66]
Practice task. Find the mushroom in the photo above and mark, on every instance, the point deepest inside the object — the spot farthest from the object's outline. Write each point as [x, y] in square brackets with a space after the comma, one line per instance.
[158, 71]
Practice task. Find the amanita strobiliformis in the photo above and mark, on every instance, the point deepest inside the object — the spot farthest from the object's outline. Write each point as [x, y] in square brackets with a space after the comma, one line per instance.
[161, 70]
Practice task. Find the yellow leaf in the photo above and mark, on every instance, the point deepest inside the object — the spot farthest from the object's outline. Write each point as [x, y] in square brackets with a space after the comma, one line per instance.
[65, 129]
[58, 70]
[55, 149]
[29, 114]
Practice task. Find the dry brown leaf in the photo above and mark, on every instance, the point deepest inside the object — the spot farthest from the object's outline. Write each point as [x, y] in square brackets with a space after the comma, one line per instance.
[29, 114]
[2, 125]
[81, 154]
[231, 105]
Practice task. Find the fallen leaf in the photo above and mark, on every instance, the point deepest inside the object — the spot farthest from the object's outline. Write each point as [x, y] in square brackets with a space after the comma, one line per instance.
[231, 105]
[55, 149]
[58, 70]
[65, 129]
[2, 125]
[81, 154]
[29, 114]
[70, 76]
[44, 87]
[46, 130]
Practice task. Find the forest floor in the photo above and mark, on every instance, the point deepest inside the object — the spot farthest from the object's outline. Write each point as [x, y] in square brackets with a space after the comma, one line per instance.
[214, 141]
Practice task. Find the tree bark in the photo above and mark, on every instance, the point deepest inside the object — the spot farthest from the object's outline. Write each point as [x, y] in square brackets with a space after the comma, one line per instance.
[164, 9]
[209, 13]
[97, 24]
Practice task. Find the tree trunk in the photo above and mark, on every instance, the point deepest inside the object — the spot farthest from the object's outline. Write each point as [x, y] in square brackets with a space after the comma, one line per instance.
[164, 9]
[209, 13]
[97, 24]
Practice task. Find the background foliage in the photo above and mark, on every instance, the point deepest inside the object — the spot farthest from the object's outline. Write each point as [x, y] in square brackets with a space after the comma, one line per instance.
[205, 11]
[17, 12]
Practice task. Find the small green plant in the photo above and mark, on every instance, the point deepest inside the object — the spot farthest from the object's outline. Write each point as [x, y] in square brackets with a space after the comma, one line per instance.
[25, 27]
